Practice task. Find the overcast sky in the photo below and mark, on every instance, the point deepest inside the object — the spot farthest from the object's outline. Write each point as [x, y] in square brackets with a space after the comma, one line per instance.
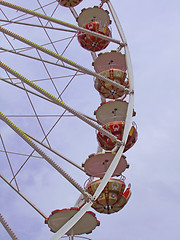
[153, 211]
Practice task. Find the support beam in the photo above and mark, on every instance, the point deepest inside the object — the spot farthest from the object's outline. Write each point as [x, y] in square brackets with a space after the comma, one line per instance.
[38, 59]
[60, 57]
[7, 227]
[65, 24]
[55, 152]
[21, 195]
[58, 102]
[38, 150]
[35, 25]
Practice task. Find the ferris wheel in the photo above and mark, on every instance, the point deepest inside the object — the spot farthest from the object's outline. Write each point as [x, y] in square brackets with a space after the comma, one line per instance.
[67, 95]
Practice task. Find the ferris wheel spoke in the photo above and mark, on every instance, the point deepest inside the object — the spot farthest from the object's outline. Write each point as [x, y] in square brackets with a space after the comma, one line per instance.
[60, 103]
[36, 115]
[29, 91]
[36, 94]
[48, 36]
[4, 14]
[52, 150]
[74, 13]
[46, 33]
[70, 81]
[42, 153]
[53, 12]
[38, 59]
[47, 51]
[49, 22]
[68, 44]
[57, 153]
[40, 142]
[42, 8]
[9, 162]
[24, 49]
[7, 227]
[46, 70]
[41, 115]
[22, 18]
[7, 4]
[20, 154]
[9, 42]
[38, 26]
[24, 163]
[25, 198]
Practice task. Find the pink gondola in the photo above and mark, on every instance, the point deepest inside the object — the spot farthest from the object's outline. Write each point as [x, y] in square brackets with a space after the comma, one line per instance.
[97, 164]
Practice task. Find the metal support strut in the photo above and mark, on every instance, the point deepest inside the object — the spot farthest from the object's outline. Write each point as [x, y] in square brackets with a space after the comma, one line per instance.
[58, 102]
[44, 155]
[8, 229]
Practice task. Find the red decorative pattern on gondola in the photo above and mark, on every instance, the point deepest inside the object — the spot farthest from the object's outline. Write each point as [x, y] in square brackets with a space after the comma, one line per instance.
[108, 90]
[112, 199]
[116, 128]
[69, 3]
[91, 42]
